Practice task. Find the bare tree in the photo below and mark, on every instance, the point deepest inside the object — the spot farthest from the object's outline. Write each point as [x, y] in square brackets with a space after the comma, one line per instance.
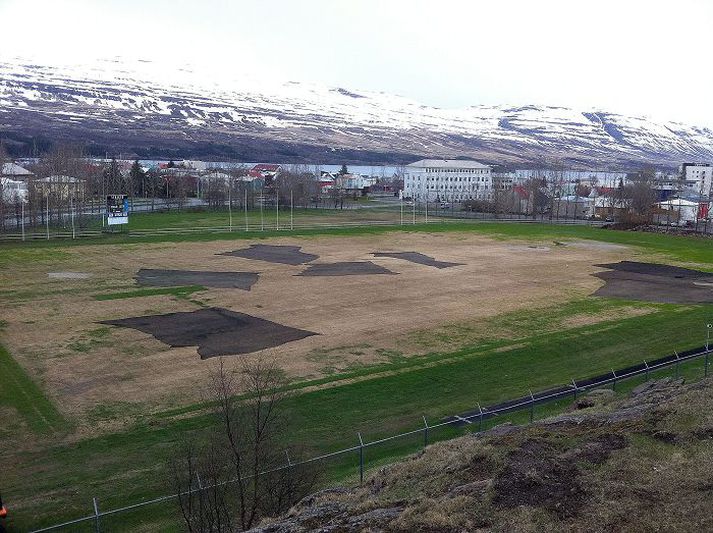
[240, 472]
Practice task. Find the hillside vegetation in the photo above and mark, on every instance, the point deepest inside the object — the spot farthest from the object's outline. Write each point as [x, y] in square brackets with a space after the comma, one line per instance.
[637, 464]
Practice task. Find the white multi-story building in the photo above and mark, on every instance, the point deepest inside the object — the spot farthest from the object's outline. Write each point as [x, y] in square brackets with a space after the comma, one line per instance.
[697, 178]
[448, 180]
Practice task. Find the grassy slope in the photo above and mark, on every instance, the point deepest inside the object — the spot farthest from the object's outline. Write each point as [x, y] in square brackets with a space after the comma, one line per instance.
[122, 468]
[19, 392]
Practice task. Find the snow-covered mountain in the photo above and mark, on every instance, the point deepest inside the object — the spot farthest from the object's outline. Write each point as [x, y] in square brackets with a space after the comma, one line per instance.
[132, 107]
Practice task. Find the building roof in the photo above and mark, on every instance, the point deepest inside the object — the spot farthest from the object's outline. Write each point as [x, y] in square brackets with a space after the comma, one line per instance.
[447, 163]
[11, 169]
[262, 167]
[60, 179]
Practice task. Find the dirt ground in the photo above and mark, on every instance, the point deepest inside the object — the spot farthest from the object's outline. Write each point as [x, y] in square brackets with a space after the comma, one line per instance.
[154, 277]
[655, 283]
[53, 325]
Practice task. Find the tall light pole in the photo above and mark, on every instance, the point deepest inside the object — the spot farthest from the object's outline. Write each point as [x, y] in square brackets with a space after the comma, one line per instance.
[230, 204]
[708, 335]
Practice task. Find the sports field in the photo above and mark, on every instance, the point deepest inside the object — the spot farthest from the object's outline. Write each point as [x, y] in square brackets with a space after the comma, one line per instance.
[107, 361]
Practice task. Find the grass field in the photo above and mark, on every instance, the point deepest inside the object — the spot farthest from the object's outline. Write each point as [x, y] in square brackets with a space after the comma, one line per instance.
[60, 456]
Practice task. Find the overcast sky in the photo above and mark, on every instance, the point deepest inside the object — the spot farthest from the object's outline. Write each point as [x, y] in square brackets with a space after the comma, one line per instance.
[636, 57]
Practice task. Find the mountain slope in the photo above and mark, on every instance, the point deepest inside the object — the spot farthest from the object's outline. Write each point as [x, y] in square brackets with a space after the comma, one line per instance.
[132, 107]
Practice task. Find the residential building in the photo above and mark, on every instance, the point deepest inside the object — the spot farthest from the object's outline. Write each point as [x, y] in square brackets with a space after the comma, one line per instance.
[448, 180]
[12, 191]
[697, 178]
[14, 172]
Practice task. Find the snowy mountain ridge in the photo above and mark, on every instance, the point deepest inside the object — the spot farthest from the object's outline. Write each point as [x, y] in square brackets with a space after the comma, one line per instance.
[135, 107]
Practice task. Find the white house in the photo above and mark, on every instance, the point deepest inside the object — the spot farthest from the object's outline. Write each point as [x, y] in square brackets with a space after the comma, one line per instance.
[448, 180]
[14, 172]
[697, 178]
[684, 210]
[13, 190]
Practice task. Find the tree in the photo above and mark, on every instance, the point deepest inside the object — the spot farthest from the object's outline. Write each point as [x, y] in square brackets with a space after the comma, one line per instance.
[343, 170]
[233, 477]
[137, 180]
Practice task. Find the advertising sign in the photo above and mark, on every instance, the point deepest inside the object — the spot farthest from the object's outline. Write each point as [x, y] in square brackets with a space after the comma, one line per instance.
[117, 209]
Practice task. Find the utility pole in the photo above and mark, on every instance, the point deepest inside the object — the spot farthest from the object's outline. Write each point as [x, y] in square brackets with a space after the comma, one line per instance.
[277, 209]
[292, 209]
[245, 203]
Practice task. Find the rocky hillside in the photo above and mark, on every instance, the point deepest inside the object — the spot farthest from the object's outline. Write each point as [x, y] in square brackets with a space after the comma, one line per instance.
[641, 464]
[135, 108]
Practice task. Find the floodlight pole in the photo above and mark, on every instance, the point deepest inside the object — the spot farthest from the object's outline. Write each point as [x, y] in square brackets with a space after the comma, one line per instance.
[401, 203]
[277, 209]
[262, 217]
[708, 335]
[230, 205]
[23, 220]
[292, 209]
[47, 214]
[245, 204]
[71, 200]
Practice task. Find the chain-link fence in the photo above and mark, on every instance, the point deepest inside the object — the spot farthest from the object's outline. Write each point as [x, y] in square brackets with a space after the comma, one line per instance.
[352, 464]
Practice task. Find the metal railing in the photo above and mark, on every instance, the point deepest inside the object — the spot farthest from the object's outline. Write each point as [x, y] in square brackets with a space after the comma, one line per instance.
[571, 390]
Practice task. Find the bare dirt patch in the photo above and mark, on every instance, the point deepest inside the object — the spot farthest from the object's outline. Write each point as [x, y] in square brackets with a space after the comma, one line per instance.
[347, 268]
[214, 331]
[287, 255]
[173, 278]
[655, 283]
[418, 258]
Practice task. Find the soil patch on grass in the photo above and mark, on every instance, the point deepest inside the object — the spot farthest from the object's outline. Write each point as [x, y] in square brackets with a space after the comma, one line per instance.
[655, 283]
[173, 278]
[416, 257]
[347, 268]
[214, 330]
[287, 255]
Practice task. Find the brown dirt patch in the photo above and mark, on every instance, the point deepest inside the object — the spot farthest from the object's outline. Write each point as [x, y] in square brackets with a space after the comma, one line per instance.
[282, 254]
[655, 283]
[155, 277]
[418, 258]
[214, 331]
[345, 268]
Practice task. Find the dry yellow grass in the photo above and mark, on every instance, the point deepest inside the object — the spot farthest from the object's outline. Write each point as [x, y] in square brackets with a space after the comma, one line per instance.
[52, 330]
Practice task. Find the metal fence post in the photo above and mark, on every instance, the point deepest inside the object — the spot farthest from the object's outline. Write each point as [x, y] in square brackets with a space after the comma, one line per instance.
[480, 418]
[678, 361]
[574, 384]
[532, 406]
[361, 459]
[647, 369]
[425, 431]
[613, 386]
[705, 370]
[97, 525]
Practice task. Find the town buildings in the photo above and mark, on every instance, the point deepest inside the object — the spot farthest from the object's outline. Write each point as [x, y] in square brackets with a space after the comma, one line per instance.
[448, 180]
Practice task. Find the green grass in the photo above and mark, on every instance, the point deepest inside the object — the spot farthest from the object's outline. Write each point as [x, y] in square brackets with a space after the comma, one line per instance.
[179, 292]
[24, 397]
[689, 249]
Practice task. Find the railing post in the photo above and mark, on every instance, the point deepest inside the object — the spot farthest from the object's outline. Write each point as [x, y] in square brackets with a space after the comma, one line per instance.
[97, 525]
[480, 418]
[647, 369]
[361, 459]
[425, 431]
[289, 463]
[574, 384]
[532, 406]
[613, 386]
[705, 370]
